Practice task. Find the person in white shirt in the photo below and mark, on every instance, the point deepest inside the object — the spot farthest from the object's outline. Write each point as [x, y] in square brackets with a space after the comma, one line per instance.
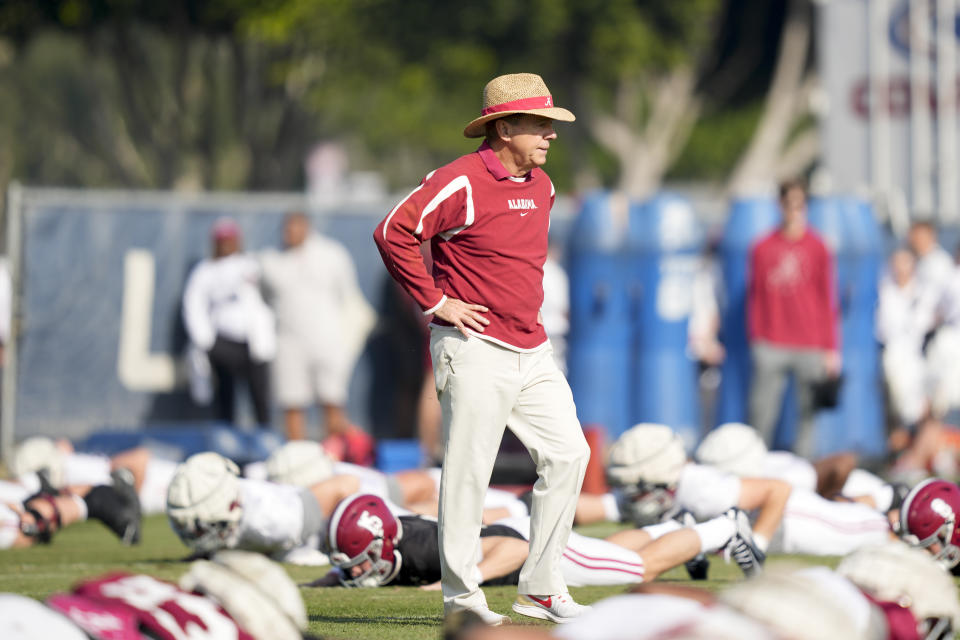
[649, 457]
[902, 320]
[934, 265]
[322, 324]
[943, 352]
[555, 311]
[229, 323]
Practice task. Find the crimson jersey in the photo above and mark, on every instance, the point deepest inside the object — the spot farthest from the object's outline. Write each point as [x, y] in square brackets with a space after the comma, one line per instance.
[131, 607]
[488, 237]
[792, 297]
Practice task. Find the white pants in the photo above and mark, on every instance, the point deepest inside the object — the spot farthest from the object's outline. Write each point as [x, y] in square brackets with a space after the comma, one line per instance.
[816, 526]
[588, 562]
[483, 388]
[905, 372]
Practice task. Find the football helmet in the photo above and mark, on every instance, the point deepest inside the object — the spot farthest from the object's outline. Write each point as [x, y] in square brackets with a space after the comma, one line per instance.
[204, 504]
[928, 518]
[733, 447]
[255, 591]
[364, 530]
[39, 454]
[794, 605]
[649, 454]
[302, 463]
[896, 573]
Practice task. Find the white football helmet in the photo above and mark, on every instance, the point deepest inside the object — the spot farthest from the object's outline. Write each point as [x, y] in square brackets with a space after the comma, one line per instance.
[795, 606]
[302, 463]
[37, 454]
[254, 590]
[733, 447]
[910, 577]
[646, 454]
[203, 502]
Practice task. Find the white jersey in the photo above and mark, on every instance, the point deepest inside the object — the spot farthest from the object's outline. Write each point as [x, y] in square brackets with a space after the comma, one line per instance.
[222, 297]
[795, 470]
[308, 287]
[555, 310]
[371, 480]
[15, 492]
[658, 616]
[706, 492]
[589, 561]
[933, 273]
[86, 469]
[9, 526]
[811, 524]
[273, 517]
[949, 308]
[902, 317]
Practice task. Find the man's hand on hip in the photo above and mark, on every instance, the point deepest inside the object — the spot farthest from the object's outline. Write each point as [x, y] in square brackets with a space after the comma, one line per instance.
[463, 315]
[832, 363]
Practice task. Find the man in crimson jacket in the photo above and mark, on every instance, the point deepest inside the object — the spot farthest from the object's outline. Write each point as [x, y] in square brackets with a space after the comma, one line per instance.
[792, 319]
[486, 216]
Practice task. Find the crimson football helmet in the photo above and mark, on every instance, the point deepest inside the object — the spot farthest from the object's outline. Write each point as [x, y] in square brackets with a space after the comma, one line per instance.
[364, 530]
[929, 517]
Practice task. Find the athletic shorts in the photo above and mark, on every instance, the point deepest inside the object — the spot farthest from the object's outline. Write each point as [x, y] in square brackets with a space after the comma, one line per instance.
[303, 378]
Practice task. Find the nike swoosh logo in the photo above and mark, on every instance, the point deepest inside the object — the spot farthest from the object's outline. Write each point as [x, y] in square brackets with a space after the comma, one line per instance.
[542, 603]
[524, 213]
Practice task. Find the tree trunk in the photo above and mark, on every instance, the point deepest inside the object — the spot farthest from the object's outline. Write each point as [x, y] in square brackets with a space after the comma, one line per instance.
[760, 165]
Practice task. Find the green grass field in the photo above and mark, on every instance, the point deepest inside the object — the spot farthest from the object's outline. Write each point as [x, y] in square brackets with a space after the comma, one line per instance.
[88, 549]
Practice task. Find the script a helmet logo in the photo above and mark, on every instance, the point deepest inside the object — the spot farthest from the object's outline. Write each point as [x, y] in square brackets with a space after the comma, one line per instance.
[371, 523]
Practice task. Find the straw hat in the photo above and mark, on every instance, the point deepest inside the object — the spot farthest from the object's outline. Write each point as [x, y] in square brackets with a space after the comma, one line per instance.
[515, 93]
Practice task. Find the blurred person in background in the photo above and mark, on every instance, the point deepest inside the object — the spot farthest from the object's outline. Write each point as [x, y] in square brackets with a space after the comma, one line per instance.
[933, 269]
[792, 319]
[6, 306]
[322, 324]
[703, 330]
[901, 322]
[230, 327]
[555, 311]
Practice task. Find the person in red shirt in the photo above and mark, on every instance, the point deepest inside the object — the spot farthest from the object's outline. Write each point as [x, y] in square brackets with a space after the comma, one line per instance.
[792, 319]
[486, 216]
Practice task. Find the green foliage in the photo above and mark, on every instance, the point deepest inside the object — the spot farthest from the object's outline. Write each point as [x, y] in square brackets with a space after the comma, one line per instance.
[716, 143]
[232, 93]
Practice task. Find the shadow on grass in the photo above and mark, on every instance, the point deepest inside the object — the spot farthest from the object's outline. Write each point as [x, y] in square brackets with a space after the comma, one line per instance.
[403, 621]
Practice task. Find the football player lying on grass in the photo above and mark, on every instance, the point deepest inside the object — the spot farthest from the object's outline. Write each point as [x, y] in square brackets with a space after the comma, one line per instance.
[235, 596]
[370, 546]
[210, 507]
[649, 468]
[304, 463]
[65, 469]
[884, 592]
[738, 449]
[26, 520]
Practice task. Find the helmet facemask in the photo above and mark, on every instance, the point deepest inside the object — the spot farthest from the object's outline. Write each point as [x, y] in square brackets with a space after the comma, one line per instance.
[379, 572]
[206, 537]
[949, 554]
[645, 504]
[936, 629]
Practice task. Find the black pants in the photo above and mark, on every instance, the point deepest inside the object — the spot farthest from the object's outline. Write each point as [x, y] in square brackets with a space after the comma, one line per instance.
[231, 363]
